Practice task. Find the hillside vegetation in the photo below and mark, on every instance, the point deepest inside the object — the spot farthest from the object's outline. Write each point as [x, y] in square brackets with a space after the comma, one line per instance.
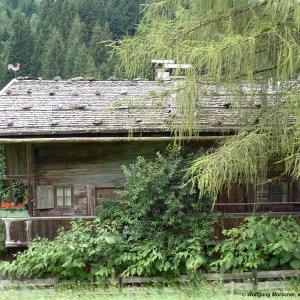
[64, 38]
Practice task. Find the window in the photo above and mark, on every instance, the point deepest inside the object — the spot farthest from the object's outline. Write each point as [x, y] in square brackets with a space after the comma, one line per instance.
[63, 196]
[280, 192]
[276, 196]
[275, 192]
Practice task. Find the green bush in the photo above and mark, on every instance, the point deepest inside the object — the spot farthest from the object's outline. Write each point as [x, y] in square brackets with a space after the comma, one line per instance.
[3, 247]
[157, 228]
[4, 195]
[260, 243]
[160, 218]
[83, 252]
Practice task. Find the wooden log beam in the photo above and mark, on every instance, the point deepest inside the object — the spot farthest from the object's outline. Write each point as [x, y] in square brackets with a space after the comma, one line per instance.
[109, 139]
[49, 218]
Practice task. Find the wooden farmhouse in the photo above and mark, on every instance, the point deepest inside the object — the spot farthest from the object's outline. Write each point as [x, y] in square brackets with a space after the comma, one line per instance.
[68, 140]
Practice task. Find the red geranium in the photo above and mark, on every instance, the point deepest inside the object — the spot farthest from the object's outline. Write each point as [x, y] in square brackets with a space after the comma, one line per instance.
[11, 206]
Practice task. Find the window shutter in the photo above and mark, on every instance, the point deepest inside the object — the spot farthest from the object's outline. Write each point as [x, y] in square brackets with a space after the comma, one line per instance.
[45, 197]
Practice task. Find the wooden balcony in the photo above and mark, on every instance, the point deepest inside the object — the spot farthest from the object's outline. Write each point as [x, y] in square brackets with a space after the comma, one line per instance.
[243, 209]
[21, 231]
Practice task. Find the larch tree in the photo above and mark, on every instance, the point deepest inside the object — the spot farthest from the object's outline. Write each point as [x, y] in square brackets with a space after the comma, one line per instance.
[234, 46]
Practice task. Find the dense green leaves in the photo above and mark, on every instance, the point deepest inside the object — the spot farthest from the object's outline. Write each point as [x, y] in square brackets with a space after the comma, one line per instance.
[53, 61]
[261, 243]
[3, 184]
[161, 218]
[83, 252]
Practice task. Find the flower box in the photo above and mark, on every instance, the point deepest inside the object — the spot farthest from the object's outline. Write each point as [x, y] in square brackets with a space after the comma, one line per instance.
[13, 214]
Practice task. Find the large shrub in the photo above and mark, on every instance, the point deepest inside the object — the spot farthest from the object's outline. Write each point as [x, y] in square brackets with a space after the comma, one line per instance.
[159, 216]
[260, 243]
[156, 228]
[83, 252]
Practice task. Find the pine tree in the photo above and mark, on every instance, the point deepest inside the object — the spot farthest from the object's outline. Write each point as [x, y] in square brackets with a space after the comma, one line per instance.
[84, 63]
[75, 41]
[90, 13]
[28, 7]
[232, 45]
[53, 61]
[20, 43]
[43, 26]
[4, 24]
[66, 12]
[123, 16]
[98, 44]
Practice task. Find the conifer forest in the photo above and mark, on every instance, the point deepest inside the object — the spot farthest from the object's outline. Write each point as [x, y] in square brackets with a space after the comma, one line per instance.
[64, 38]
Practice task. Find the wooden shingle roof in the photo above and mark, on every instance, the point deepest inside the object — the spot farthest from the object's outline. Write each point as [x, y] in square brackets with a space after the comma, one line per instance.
[73, 108]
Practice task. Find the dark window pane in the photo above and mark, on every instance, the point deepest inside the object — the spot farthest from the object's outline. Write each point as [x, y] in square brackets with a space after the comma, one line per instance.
[280, 192]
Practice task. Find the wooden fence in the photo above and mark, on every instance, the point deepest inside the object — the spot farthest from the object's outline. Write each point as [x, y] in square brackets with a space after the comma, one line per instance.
[230, 281]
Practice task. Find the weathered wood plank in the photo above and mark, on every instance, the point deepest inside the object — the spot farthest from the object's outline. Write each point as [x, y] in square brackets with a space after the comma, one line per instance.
[108, 139]
[16, 160]
[91, 200]
[21, 231]
[45, 197]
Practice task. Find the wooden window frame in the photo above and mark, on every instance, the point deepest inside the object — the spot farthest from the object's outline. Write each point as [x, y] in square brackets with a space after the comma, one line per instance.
[55, 196]
[282, 207]
[270, 184]
[289, 196]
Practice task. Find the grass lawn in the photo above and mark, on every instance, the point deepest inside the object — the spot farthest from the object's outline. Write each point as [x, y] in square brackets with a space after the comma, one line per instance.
[134, 293]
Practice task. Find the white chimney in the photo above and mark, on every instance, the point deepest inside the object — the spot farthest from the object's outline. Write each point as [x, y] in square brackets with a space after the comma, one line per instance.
[165, 68]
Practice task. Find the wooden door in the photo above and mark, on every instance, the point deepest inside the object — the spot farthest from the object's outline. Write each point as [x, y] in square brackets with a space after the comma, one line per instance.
[106, 193]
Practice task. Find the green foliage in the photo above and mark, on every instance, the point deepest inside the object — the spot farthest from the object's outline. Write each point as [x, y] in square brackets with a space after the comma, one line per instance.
[53, 61]
[2, 237]
[100, 37]
[260, 243]
[123, 16]
[3, 184]
[160, 217]
[83, 252]
[157, 228]
[84, 63]
[36, 32]
[20, 43]
[75, 40]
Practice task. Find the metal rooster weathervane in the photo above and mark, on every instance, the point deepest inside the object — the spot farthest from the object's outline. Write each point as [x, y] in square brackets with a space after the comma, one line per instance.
[13, 68]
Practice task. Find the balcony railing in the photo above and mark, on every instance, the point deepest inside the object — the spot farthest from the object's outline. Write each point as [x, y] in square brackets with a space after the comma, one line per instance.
[21, 231]
[257, 207]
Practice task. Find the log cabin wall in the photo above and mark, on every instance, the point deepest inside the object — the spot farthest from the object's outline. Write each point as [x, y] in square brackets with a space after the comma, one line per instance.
[86, 167]
[18, 161]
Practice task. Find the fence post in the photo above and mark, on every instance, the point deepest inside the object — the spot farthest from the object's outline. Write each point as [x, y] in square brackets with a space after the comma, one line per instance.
[254, 279]
[120, 282]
